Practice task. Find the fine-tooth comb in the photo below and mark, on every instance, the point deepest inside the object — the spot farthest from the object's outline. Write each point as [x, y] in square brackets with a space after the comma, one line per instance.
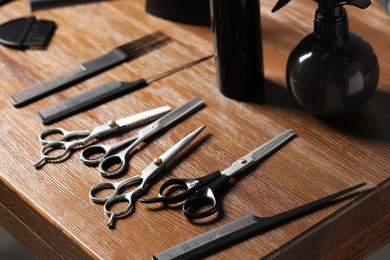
[213, 240]
[123, 53]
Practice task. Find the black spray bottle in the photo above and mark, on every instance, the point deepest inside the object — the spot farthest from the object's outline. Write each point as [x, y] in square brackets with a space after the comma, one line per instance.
[333, 71]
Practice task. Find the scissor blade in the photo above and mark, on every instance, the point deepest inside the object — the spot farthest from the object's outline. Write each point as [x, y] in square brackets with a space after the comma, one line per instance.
[259, 153]
[142, 117]
[168, 155]
[157, 165]
[179, 112]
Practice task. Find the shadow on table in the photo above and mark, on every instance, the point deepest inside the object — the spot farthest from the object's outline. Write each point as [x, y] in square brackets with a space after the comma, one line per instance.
[372, 121]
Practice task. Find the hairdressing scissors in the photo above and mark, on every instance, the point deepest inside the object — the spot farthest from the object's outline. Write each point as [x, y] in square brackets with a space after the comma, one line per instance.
[59, 148]
[202, 194]
[146, 175]
[110, 165]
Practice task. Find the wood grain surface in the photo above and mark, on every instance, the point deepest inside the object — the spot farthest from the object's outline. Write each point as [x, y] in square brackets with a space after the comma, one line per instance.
[49, 210]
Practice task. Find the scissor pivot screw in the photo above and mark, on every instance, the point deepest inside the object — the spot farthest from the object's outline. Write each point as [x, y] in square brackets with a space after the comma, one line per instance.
[112, 123]
[157, 161]
[243, 161]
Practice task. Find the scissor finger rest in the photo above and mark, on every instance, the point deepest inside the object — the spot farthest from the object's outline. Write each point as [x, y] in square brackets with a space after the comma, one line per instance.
[121, 205]
[198, 205]
[118, 206]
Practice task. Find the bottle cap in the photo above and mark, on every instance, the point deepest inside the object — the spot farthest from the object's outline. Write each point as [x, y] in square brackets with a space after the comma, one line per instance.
[331, 21]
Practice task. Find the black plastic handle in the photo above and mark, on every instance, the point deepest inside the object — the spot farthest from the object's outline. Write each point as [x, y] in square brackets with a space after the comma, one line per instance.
[190, 186]
[209, 195]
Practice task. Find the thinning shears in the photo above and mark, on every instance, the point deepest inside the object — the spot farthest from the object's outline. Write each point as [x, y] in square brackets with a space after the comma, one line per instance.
[56, 149]
[202, 194]
[146, 175]
[113, 164]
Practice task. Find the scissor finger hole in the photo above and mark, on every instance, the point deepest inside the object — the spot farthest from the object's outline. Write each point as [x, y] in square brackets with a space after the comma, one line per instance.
[120, 205]
[173, 190]
[102, 193]
[53, 150]
[112, 164]
[93, 153]
[52, 135]
[199, 207]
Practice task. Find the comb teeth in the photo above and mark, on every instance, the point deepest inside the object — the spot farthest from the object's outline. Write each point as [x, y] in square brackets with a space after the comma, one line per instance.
[74, 104]
[144, 44]
[24, 95]
[39, 34]
[88, 69]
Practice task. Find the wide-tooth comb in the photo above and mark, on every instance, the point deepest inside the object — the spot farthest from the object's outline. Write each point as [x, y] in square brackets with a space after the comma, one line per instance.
[121, 54]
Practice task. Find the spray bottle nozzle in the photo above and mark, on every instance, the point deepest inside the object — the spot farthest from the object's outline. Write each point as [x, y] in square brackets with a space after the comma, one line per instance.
[330, 21]
[280, 4]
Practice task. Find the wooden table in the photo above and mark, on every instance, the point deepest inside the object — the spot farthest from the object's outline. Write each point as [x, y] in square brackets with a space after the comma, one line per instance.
[49, 211]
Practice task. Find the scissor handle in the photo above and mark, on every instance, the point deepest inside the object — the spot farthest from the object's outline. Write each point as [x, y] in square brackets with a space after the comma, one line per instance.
[100, 187]
[113, 165]
[57, 149]
[114, 186]
[64, 134]
[94, 154]
[207, 197]
[119, 199]
[187, 187]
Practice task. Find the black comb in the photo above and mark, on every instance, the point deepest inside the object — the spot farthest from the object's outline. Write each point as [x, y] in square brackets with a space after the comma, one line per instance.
[119, 55]
[103, 93]
[26, 33]
[44, 4]
[200, 246]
